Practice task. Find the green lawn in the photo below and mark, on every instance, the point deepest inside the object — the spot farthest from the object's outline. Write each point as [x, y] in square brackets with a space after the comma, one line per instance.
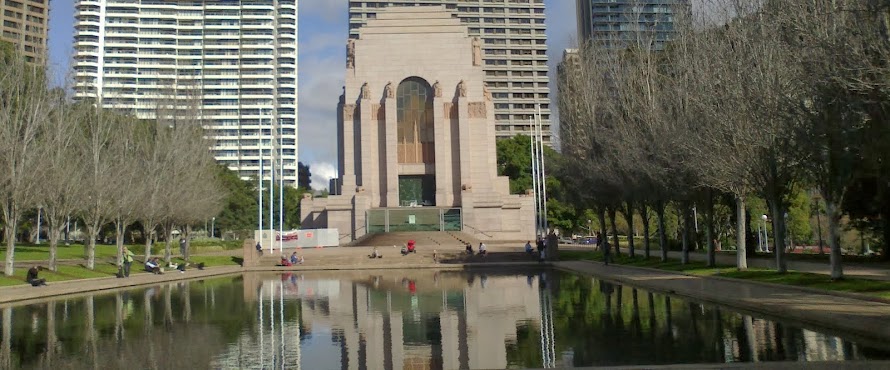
[106, 269]
[851, 285]
[30, 252]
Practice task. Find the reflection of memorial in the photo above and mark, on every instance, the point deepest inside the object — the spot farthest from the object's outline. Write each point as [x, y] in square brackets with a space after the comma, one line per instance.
[430, 328]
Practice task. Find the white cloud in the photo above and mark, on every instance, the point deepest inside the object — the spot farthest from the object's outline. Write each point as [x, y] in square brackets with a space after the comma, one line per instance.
[322, 173]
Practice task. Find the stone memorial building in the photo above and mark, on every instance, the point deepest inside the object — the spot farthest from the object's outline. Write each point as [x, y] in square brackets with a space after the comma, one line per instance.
[416, 136]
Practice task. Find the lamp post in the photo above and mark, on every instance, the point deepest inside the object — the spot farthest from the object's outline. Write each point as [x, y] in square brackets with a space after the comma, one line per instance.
[212, 222]
[589, 229]
[765, 235]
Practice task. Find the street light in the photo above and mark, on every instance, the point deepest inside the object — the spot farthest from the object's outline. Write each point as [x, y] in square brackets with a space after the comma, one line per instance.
[765, 235]
[589, 230]
[212, 221]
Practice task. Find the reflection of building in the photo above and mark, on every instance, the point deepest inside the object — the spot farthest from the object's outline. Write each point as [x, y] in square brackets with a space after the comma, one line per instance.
[416, 131]
[393, 329]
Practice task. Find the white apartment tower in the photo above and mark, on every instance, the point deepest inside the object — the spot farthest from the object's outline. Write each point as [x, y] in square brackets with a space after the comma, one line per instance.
[514, 51]
[238, 56]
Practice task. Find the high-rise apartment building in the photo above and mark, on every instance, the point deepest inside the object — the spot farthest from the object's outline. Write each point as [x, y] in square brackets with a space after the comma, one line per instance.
[25, 24]
[619, 23]
[238, 57]
[514, 52]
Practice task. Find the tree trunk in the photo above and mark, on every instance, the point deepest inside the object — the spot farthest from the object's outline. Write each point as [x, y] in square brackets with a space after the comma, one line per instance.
[93, 232]
[604, 236]
[662, 236]
[709, 229]
[149, 233]
[819, 229]
[885, 222]
[741, 258]
[629, 216]
[615, 240]
[644, 213]
[779, 233]
[834, 239]
[188, 252]
[55, 233]
[10, 215]
[684, 233]
[119, 228]
[168, 236]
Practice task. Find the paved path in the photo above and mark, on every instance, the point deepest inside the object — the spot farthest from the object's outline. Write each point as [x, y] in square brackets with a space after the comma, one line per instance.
[850, 269]
[867, 320]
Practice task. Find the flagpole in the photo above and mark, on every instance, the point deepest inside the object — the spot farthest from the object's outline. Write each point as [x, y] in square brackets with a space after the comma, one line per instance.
[540, 125]
[534, 159]
[260, 185]
[280, 188]
[272, 187]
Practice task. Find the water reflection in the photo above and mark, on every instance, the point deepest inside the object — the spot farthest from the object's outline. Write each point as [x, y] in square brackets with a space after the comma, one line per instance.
[411, 320]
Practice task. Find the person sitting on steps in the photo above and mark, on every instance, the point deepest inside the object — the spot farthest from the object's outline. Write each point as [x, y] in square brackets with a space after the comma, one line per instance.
[284, 262]
[376, 254]
[483, 251]
[295, 259]
[469, 249]
[409, 248]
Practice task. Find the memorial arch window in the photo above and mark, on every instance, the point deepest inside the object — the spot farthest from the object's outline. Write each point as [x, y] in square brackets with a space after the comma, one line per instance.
[414, 105]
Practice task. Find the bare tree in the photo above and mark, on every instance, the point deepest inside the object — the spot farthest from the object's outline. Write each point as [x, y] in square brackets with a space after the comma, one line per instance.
[59, 168]
[24, 110]
[98, 131]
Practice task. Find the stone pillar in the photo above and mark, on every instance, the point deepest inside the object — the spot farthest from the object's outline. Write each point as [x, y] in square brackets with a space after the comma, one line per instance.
[366, 120]
[347, 155]
[443, 165]
[463, 116]
[391, 170]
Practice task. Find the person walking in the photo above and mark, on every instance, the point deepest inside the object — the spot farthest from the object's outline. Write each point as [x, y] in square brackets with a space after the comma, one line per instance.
[607, 252]
[128, 260]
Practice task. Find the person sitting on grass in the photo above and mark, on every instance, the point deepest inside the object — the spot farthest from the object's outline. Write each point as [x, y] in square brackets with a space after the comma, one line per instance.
[153, 265]
[376, 254]
[483, 251]
[32, 277]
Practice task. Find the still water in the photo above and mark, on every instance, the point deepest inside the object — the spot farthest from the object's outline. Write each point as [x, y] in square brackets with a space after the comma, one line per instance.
[398, 320]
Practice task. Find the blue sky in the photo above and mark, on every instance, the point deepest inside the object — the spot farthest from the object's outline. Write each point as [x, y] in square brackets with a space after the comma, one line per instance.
[322, 38]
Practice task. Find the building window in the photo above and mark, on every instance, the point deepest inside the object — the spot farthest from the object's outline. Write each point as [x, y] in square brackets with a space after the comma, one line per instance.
[414, 105]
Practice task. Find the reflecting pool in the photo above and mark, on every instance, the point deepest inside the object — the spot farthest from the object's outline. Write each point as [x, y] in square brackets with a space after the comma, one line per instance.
[417, 319]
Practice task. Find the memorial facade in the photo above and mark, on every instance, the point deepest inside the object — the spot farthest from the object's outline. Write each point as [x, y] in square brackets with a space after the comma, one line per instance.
[416, 136]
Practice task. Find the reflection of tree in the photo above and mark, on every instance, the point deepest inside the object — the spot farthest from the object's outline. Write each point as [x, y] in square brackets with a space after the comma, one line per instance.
[602, 324]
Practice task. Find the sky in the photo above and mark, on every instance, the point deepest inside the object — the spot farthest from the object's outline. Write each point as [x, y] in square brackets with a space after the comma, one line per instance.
[322, 61]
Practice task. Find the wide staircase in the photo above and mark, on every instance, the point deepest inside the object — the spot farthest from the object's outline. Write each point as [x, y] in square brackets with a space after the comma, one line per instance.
[441, 240]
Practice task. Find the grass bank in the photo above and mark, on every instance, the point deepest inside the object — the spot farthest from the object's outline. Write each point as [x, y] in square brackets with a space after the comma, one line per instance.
[40, 252]
[106, 269]
[850, 285]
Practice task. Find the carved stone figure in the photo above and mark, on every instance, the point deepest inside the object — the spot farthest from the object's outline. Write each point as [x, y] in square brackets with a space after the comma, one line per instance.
[366, 91]
[350, 54]
[486, 92]
[462, 89]
[388, 91]
[477, 52]
[437, 89]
